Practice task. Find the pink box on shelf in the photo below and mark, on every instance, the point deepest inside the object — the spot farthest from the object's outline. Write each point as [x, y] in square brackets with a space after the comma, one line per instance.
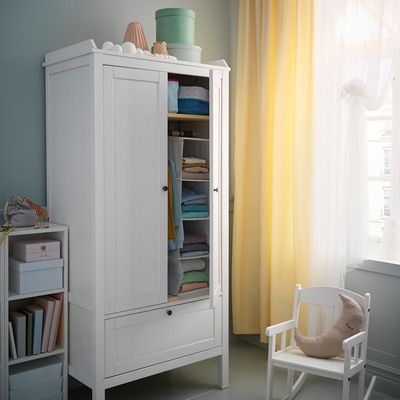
[36, 249]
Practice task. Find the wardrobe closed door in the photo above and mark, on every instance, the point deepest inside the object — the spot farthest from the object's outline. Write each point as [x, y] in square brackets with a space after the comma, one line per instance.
[136, 188]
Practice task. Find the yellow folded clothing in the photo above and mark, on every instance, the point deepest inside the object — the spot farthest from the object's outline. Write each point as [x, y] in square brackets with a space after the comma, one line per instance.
[188, 165]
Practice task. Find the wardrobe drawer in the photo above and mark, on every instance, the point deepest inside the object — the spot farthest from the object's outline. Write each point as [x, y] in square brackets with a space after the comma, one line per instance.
[153, 337]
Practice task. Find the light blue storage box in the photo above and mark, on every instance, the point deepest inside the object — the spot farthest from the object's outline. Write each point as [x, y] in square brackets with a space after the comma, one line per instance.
[55, 396]
[185, 52]
[41, 390]
[33, 372]
[35, 276]
[173, 87]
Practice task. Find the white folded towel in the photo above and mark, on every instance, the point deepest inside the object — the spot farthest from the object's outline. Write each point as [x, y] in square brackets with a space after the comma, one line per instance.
[193, 160]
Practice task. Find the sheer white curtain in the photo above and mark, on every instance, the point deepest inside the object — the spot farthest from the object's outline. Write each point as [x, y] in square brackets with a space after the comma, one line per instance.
[356, 48]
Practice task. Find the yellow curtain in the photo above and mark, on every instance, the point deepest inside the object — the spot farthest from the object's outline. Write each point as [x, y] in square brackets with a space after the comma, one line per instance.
[273, 160]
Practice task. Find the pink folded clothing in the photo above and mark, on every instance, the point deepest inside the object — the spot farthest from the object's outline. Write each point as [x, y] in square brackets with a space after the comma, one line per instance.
[187, 287]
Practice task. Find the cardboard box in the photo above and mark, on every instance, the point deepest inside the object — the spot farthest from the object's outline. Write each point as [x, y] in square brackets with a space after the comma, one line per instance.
[33, 372]
[41, 249]
[35, 276]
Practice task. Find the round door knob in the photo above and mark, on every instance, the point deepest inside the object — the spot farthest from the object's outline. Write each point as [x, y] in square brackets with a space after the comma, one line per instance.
[169, 312]
[165, 188]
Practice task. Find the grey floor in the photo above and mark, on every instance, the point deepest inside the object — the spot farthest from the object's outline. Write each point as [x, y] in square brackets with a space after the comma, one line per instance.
[199, 381]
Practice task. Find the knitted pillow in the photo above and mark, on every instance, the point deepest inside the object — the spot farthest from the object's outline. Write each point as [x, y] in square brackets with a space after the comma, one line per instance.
[329, 344]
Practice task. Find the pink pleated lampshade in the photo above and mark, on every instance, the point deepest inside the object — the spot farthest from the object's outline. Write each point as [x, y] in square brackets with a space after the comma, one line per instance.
[134, 33]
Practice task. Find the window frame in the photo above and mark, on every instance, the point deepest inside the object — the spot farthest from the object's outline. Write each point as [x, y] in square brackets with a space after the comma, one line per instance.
[395, 168]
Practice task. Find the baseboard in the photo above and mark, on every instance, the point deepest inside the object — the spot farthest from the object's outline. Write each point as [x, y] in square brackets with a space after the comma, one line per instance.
[387, 379]
[253, 339]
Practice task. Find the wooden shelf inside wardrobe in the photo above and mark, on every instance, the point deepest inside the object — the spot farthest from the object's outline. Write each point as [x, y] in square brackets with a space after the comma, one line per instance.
[187, 117]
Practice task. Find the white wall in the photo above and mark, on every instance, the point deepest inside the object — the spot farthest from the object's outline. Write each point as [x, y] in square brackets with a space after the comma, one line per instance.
[31, 28]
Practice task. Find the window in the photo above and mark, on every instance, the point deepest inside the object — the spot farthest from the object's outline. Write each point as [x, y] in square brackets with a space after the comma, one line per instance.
[383, 167]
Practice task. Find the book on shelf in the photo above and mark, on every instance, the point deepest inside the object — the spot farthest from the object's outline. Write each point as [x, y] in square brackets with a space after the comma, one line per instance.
[11, 342]
[29, 330]
[55, 323]
[47, 303]
[18, 321]
[179, 133]
[37, 312]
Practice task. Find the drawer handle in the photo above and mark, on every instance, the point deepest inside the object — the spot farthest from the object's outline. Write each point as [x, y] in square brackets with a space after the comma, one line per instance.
[169, 312]
[165, 188]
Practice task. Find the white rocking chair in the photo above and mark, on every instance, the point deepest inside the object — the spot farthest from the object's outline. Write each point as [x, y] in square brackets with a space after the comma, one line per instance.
[293, 359]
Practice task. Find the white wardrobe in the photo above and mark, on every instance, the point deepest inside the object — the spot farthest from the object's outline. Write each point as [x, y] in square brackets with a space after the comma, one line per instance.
[108, 152]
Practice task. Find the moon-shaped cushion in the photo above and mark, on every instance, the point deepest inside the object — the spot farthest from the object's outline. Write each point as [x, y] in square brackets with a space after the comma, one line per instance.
[329, 344]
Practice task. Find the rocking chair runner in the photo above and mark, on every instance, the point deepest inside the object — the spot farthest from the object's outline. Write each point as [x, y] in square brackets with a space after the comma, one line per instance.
[293, 359]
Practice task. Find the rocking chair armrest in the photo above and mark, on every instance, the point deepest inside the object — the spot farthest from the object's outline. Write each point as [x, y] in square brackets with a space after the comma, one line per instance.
[354, 340]
[280, 328]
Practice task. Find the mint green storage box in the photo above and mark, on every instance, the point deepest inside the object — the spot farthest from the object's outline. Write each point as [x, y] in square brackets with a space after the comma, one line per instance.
[175, 25]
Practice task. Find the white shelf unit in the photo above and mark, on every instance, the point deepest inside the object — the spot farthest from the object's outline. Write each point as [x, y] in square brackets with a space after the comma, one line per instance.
[107, 164]
[11, 301]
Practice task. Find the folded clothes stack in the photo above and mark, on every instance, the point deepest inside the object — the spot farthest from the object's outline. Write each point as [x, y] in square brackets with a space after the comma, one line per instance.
[194, 246]
[194, 205]
[193, 280]
[195, 168]
[194, 269]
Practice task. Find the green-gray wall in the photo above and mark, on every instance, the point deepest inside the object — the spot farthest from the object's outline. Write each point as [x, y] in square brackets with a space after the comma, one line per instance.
[31, 28]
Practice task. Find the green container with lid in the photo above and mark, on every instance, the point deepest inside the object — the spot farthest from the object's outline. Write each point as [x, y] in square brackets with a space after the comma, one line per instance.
[175, 25]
